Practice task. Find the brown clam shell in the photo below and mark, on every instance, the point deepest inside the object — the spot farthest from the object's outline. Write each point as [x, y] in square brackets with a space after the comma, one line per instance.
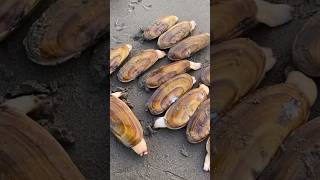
[231, 18]
[205, 76]
[138, 64]
[29, 152]
[65, 29]
[181, 111]
[163, 74]
[12, 12]
[249, 135]
[299, 149]
[189, 46]
[118, 55]
[198, 128]
[169, 92]
[238, 67]
[306, 51]
[159, 26]
[175, 34]
[124, 124]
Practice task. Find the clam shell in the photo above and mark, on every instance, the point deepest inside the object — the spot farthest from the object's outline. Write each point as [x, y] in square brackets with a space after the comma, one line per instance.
[198, 127]
[299, 149]
[231, 18]
[189, 46]
[169, 92]
[163, 74]
[205, 76]
[118, 55]
[306, 51]
[175, 34]
[249, 135]
[12, 12]
[28, 151]
[238, 66]
[138, 64]
[181, 111]
[159, 26]
[65, 29]
[206, 165]
[124, 124]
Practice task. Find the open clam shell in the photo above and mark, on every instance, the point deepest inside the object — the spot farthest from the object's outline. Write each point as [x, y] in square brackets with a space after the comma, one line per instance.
[159, 26]
[118, 55]
[231, 18]
[12, 12]
[181, 111]
[299, 149]
[163, 74]
[189, 46]
[248, 136]
[169, 92]
[28, 151]
[306, 51]
[238, 67]
[198, 127]
[138, 64]
[205, 76]
[126, 126]
[65, 29]
[175, 34]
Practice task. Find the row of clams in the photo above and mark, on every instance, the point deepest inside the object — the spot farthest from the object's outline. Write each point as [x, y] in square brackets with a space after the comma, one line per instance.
[174, 95]
[264, 133]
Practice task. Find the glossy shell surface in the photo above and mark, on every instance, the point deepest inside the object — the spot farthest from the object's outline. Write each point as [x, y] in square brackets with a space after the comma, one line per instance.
[198, 128]
[118, 55]
[159, 26]
[189, 46]
[249, 135]
[169, 92]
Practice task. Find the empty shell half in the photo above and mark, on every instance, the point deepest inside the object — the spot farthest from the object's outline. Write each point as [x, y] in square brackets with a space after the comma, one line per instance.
[169, 92]
[306, 49]
[126, 126]
[248, 136]
[206, 165]
[189, 46]
[138, 64]
[175, 34]
[236, 16]
[12, 12]
[205, 76]
[65, 29]
[238, 66]
[298, 156]
[159, 26]
[163, 74]
[198, 127]
[181, 111]
[118, 55]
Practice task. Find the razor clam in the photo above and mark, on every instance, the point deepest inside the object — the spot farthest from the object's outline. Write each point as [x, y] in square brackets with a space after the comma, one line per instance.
[238, 66]
[28, 151]
[65, 29]
[159, 26]
[189, 46]
[299, 149]
[126, 126]
[12, 12]
[138, 64]
[181, 111]
[175, 34]
[306, 49]
[118, 55]
[198, 127]
[232, 17]
[249, 135]
[163, 74]
[170, 92]
[205, 76]
[206, 165]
